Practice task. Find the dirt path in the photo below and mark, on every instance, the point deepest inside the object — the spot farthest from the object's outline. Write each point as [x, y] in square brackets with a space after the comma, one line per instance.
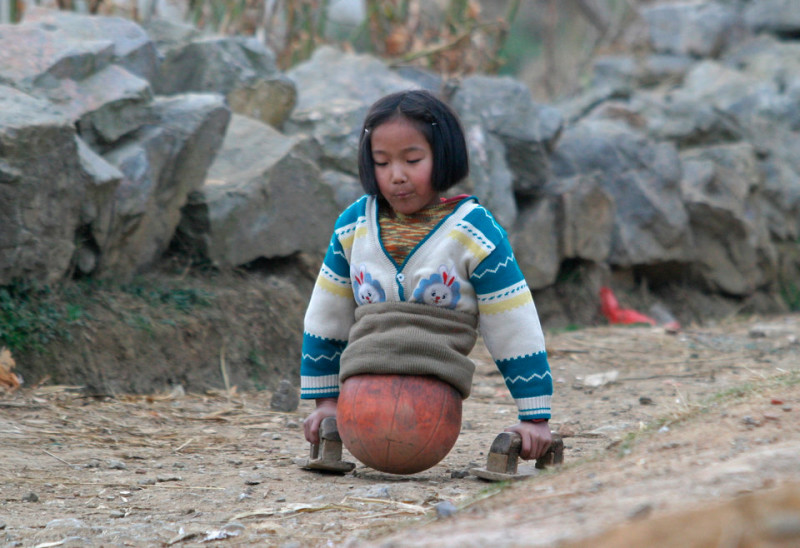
[654, 423]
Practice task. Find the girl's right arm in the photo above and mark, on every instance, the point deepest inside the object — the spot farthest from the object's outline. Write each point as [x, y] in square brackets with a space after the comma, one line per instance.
[326, 327]
[326, 407]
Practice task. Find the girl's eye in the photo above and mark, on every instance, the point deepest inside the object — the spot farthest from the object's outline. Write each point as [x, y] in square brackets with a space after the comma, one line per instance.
[414, 161]
[381, 164]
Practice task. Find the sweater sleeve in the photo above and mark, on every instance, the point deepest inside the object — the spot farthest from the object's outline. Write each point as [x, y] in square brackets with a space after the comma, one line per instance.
[328, 318]
[509, 324]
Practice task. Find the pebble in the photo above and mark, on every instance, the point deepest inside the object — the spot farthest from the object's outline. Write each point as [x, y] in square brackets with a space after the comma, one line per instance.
[445, 509]
[459, 474]
[285, 397]
[117, 465]
[61, 523]
[116, 514]
[646, 400]
[30, 497]
[641, 511]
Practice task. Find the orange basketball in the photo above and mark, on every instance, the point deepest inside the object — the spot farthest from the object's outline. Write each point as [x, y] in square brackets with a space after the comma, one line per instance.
[401, 424]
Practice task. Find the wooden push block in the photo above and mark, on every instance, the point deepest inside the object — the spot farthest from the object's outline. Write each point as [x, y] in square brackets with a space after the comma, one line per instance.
[501, 464]
[326, 456]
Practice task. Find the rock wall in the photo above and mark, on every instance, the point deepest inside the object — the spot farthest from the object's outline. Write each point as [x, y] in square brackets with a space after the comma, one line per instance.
[677, 163]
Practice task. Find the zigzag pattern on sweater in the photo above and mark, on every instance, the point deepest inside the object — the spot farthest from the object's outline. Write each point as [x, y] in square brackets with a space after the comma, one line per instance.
[321, 357]
[528, 379]
[508, 261]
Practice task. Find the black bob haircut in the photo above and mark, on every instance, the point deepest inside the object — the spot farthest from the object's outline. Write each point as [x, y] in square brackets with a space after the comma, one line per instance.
[435, 120]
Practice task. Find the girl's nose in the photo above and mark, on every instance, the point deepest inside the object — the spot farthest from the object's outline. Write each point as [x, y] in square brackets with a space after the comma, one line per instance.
[398, 174]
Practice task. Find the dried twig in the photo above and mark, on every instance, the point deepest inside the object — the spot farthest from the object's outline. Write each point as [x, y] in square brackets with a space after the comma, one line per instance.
[59, 458]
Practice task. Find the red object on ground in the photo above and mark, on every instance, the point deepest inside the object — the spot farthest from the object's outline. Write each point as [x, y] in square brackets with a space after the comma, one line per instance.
[614, 314]
[400, 424]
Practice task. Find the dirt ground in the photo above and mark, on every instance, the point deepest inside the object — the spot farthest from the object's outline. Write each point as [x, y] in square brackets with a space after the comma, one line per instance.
[654, 424]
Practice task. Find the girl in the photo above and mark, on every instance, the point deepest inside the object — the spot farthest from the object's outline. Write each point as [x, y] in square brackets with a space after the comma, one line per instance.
[408, 273]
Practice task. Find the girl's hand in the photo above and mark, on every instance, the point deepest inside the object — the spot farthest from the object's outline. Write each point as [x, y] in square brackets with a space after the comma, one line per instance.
[536, 438]
[326, 407]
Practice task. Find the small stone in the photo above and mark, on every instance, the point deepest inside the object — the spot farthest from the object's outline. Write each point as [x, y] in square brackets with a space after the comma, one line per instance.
[30, 497]
[750, 421]
[641, 511]
[276, 436]
[646, 400]
[116, 514]
[147, 481]
[117, 465]
[285, 397]
[445, 509]
[786, 408]
[459, 474]
[162, 479]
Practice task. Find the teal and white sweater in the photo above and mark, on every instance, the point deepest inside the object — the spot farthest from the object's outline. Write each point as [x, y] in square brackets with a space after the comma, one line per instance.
[465, 264]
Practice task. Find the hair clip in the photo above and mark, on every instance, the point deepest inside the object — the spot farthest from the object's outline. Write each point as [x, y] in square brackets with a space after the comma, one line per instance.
[366, 130]
[433, 123]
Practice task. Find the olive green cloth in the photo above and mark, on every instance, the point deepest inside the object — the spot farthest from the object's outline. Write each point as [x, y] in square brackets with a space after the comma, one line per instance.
[412, 339]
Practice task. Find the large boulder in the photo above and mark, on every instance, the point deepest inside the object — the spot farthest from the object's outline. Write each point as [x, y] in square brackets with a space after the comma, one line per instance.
[781, 17]
[44, 187]
[490, 178]
[131, 47]
[262, 199]
[537, 246]
[700, 29]
[335, 90]
[643, 178]
[732, 251]
[80, 77]
[529, 131]
[162, 164]
[240, 68]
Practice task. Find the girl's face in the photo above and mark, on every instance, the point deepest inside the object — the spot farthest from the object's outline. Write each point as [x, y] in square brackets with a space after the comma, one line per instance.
[403, 166]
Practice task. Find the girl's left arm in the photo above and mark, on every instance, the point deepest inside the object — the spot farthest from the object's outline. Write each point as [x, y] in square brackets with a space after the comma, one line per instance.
[511, 330]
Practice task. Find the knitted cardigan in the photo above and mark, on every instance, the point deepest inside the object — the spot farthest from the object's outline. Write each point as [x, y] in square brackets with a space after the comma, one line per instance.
[465, 264]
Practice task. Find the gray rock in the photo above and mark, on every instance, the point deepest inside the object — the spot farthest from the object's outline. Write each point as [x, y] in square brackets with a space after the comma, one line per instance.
[634, 71]
[701, 29]
[330, 132]
[330, 73]
[528, 131]
[285, 398]
[162, 165]
[131, 47]
[79, 77]
[42, 187]
[536, 243]
[643, 178]
[731, 252]
[242, 69]
[445, 509]
[775, 16]
[248, 207]
[490, 179]
[587, 213]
